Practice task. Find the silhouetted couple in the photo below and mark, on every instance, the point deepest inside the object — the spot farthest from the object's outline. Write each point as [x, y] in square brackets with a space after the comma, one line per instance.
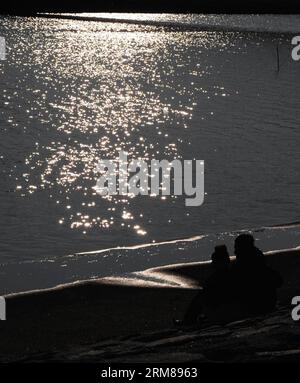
[247, 288]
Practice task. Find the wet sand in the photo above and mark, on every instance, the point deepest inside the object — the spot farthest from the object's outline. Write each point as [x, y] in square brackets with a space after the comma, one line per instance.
[83, 314]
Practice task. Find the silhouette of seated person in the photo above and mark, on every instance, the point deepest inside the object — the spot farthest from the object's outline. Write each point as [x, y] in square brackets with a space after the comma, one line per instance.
[215, 289]
[253, 284]
[247, 288]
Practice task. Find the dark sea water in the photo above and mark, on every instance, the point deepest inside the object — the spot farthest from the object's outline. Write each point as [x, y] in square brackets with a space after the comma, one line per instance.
[74, 91]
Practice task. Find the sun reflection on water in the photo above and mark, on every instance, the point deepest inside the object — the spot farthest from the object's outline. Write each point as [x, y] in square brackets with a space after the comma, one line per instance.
[96, 90]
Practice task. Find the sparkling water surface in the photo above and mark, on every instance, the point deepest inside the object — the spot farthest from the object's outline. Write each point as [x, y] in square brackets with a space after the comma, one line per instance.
[74, 92]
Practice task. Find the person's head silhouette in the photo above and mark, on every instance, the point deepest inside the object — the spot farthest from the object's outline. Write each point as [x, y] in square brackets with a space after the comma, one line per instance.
[245, 250]
[243, 242]
[220, 258]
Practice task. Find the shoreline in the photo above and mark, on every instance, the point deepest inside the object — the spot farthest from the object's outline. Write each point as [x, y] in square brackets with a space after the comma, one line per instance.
[41, 274]
[178, 275]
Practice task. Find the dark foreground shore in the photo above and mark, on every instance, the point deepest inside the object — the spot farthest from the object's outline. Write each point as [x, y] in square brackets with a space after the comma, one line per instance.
[132, 320]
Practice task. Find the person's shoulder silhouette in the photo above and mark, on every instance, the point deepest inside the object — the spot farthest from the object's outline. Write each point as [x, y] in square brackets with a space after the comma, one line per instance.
[254, 284]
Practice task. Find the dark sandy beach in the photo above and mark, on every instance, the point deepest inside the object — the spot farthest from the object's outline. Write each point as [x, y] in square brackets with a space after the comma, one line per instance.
[108, 318]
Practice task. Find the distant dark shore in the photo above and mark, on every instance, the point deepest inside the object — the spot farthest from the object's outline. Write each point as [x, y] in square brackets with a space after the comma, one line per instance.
[112, 318]
[162, 25]
[14, 7]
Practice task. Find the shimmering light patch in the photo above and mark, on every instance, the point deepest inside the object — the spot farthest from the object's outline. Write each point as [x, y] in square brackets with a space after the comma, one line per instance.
[127, 215]
[100, 88]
